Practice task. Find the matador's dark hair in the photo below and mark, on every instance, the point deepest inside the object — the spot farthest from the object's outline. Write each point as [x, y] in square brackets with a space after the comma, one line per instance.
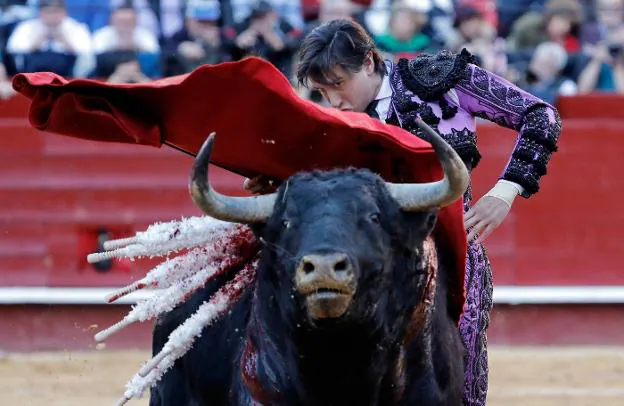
[342, 43]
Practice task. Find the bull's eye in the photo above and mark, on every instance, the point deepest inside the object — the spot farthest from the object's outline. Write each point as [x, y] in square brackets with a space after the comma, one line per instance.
[285, 223]
[375, 218]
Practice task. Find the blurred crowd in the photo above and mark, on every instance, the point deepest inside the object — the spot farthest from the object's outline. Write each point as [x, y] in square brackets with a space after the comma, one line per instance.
[548, 47]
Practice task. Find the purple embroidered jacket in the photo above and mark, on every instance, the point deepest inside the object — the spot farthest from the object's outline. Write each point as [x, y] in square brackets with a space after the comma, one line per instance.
[448, 91]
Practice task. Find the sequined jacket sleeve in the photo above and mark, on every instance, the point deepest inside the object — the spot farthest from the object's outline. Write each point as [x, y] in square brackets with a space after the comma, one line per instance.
[486, 95]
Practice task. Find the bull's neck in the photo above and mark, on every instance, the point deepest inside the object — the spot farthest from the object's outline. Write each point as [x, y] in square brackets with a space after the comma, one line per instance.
[339, 363]
[347, 364]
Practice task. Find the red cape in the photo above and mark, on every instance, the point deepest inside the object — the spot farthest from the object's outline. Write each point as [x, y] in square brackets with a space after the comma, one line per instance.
[262, 125]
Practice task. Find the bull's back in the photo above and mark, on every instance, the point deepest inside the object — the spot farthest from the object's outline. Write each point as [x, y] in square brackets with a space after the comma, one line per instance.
[204, 375]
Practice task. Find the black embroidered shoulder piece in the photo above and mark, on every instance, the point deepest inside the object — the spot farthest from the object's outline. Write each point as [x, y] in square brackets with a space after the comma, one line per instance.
[431, 76]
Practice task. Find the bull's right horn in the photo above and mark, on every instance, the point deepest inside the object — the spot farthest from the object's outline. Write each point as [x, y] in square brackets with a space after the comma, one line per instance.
[424, 196]
[246, 210]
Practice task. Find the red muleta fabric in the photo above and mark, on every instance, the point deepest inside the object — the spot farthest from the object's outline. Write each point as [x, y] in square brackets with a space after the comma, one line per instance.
[262, 126]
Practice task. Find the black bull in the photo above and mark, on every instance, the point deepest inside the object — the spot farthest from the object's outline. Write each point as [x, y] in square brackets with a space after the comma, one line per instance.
[337, 315]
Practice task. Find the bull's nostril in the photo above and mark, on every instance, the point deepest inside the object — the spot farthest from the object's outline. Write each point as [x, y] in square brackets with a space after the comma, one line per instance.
[308, 267]
[325, 264]
[341, 266]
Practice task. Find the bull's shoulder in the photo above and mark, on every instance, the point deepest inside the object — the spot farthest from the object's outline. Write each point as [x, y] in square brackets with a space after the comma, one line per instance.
[430, 76]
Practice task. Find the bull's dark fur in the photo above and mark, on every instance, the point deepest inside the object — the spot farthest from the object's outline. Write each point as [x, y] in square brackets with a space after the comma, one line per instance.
[352, 361]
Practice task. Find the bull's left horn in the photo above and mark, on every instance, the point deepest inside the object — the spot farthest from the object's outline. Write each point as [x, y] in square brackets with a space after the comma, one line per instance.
[246, 210]
[423, 196]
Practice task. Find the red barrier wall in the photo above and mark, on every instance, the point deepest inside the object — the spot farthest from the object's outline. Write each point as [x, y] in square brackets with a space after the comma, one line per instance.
[55, 192]
[568, 233]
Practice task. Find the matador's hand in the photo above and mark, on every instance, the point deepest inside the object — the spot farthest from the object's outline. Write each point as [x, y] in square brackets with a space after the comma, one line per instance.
[487, 214]
[490, 211]
[260, 185]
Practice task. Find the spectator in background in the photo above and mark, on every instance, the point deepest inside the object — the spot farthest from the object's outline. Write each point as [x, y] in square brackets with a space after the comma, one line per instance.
[609, 17]
[331, 10]
[6, 89]
[605, 69]
[560, 22]
[201, 41]
[376, 16]
[486, 8]
[146, 17]
[509, 11]
[123, 32]
[12, 12]
[123, 42]
[170, 14]
[267, 35]
[544, 77]
[92, 13]
[127, 69]
[441, 17]
[289, 10]
[95, 14]
[310, 10]
[404, 37]
[479, 36]
[52, 42]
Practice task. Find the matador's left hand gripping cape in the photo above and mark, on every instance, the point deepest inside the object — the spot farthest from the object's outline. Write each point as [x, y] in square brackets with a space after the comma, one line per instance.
[263, 127]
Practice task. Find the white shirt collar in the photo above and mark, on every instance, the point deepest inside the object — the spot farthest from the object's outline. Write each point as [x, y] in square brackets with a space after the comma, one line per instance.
[385, 91]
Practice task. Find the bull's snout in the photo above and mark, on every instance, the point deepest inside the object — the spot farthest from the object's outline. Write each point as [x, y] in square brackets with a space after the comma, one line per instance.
[327, 282]
[335, 265]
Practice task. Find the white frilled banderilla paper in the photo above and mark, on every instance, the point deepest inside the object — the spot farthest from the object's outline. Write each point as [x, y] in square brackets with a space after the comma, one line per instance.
[215, 247]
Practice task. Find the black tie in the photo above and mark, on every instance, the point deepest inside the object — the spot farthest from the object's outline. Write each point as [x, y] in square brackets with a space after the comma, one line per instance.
[371, 110]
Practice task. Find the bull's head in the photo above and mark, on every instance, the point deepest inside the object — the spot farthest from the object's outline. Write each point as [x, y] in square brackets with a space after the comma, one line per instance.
[333, 232]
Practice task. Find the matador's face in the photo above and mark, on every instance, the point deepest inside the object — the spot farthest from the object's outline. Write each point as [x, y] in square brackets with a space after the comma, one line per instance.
[350, 91]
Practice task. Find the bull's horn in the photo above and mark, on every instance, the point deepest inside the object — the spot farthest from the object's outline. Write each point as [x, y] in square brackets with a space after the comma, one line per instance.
[423, 196]
[246, 210]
